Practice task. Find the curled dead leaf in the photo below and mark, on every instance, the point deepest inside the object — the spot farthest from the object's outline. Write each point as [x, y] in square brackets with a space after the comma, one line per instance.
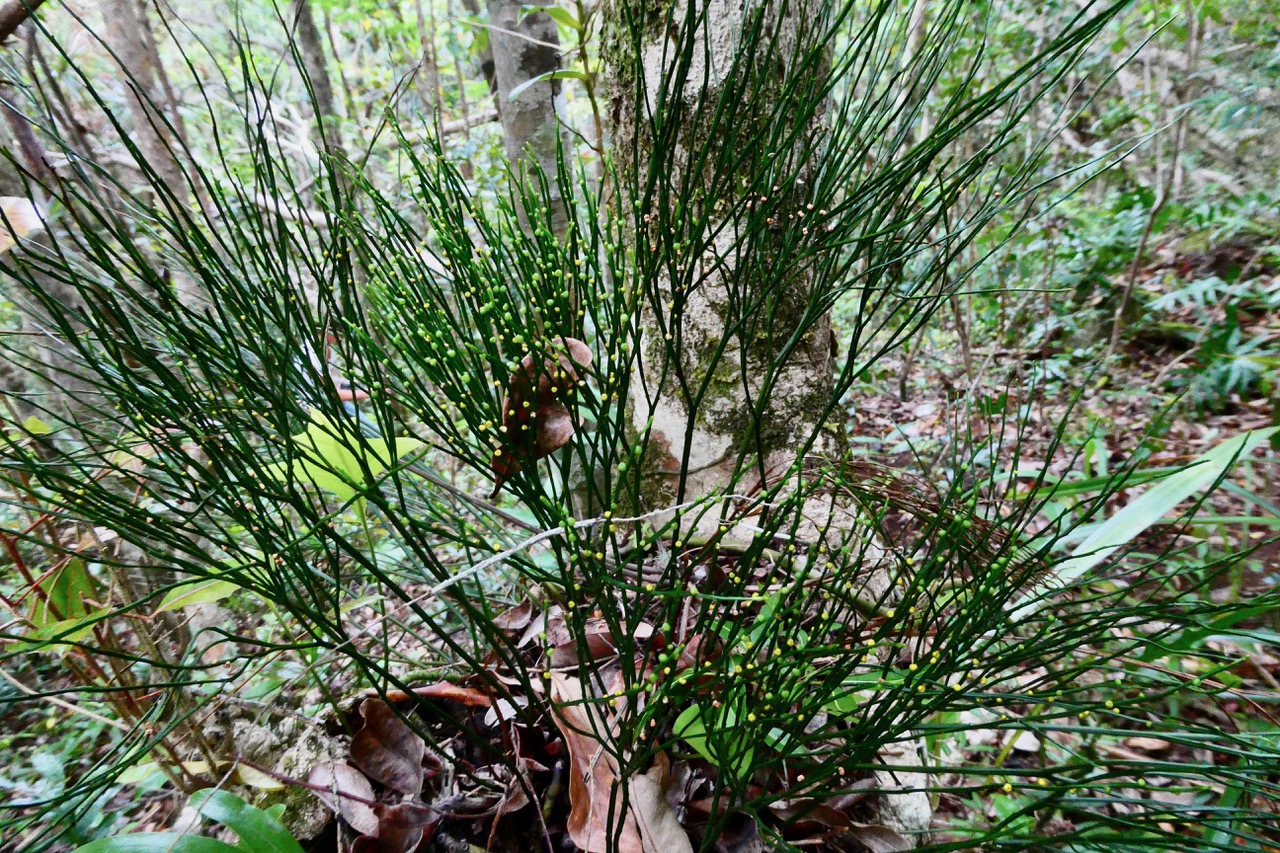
[595, 806]
[347, 791]
[503, 710]
[450, 692]
[387, 750]
[660, 828]
[400, 829]
[556, 627]
[1026, 742]
[1147, 744]
[880, 839]
[514, 798]
[598, 640]
[21, 217]
[535, 420]
[516, 618]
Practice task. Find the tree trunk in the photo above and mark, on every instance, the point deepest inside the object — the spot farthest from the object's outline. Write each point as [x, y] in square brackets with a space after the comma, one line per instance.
[484, 57]
[14, 13]
[525, 48]
[735, 377]
[127, 35]
[730, 385]
[311, 49]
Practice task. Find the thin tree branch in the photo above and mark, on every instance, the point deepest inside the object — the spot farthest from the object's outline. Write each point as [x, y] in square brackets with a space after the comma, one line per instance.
[14, 13]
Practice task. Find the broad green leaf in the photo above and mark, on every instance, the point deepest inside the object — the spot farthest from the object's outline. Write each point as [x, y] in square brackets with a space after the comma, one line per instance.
[247, 775]
[258, 831]
[559, 14]
[327, 461]
[159, 842]
[856, 688]
[138, 773]
[782, 742]
[1142, 512]
[1066, 488]
[64, 595]
[362, 601]
[35, 426]
[558, 74]
[196, 592]
[58, 636]
[1221, 627]
[690, 727]
[242, 773]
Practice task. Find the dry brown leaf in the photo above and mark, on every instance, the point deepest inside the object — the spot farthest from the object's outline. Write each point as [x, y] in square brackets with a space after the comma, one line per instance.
[400, 829]
[807, 811]
[556, 627]
[538, 626]
[880, 839]
[516, 618]
[347, 792]
[451, 692]
[504, 710]
[535, 420]
[593, 774]
[697, 651]
[515, 797]
[740, 836]
[598, 638]
[387, 750]
[1026, 742]
[660, 829]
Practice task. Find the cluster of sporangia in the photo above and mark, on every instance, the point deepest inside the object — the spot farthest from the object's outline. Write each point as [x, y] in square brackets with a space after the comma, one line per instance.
[535, 420]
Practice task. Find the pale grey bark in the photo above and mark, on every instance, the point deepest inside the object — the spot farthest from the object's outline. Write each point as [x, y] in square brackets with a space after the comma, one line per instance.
[311, 49]
[39, 376]
[743, 432]
[427, 77]
[524, 49]
[127, 35]
[699, 440]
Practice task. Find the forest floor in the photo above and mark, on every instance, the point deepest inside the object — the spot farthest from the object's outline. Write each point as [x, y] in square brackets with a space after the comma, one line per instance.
[1077, 423]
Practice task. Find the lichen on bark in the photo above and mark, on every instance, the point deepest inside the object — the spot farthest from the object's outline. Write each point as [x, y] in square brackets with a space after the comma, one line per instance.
[735, 372]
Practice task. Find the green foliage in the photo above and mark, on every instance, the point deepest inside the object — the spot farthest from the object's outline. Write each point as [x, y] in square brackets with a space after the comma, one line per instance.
[1230, 363]
[64, 595]
[196, 592]
[733, 753]
[327, 462]
[50, 755]
[211, 437]
[1155, 504]
[259, 831]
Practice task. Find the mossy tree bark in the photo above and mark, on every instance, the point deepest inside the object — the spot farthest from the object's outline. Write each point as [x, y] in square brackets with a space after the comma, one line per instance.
[717, 116]
[735, 374]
